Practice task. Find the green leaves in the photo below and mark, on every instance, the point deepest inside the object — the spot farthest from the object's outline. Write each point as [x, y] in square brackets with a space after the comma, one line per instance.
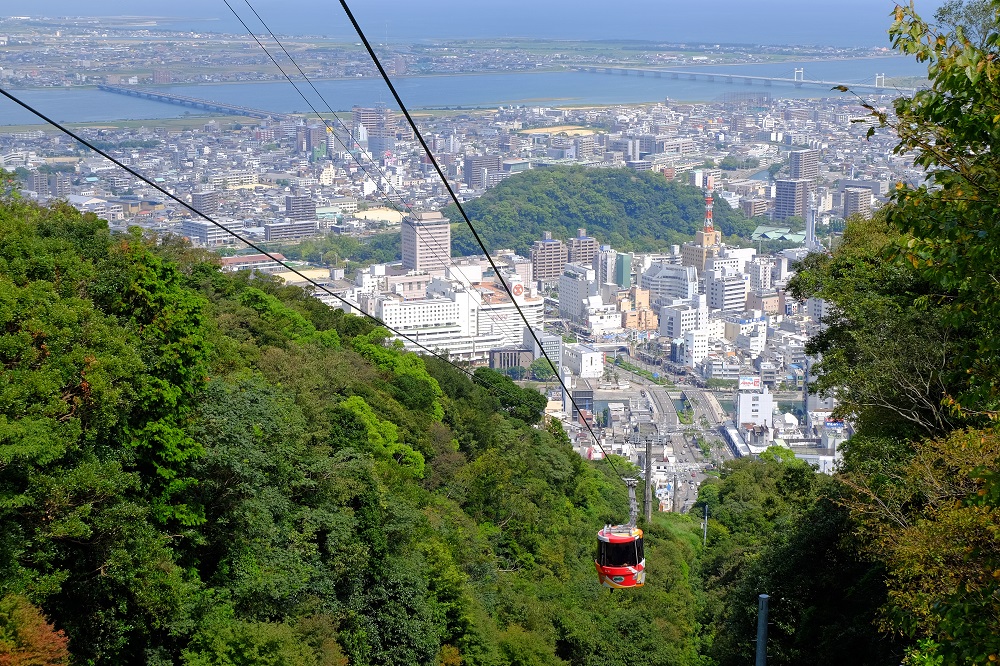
[382, 437]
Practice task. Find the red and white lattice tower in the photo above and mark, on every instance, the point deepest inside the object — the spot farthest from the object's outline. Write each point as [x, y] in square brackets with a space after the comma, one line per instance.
[709, 225]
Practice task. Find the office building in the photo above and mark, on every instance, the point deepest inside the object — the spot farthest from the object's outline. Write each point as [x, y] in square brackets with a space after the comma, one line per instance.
[426, 242]
[755, 407]
[623, 271]
[583, 361]
[577, 288]
[791, 198]
[550, 343]
[482, 171]
[377, 120]
[857, 201]
[726, 291]
[582, 248]
[668, 282]
[548, 258]
[707, 243]
[683, 317]
[695, 347]
[605, 260]
[299, 208]
[803, 164]
[206, 202]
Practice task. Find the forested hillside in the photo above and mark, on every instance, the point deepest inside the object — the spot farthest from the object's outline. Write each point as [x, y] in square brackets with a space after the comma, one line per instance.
[206, 468]
[627, 209]
[906, 537]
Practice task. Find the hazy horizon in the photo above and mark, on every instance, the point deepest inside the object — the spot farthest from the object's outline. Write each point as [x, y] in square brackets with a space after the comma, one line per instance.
[847, 23]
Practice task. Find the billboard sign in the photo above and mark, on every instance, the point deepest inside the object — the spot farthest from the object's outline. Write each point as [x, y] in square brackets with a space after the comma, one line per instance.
[750, 383]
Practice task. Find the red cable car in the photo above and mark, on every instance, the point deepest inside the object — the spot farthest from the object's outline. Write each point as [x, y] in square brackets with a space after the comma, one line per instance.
[621, 561]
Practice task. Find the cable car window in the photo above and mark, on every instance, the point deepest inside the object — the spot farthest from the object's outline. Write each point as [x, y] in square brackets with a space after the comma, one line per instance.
[619, 554]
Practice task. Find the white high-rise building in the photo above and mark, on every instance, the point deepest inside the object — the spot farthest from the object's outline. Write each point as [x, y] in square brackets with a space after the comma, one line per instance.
[695, 347]
[605, 260]
[755, 407]
[726, 291]
[759, 271]
[682, 317]
[426, 242]
[577, 285]
[668, 282]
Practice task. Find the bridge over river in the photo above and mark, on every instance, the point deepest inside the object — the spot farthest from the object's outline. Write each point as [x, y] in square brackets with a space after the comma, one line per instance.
[798, 80]
[193, 102]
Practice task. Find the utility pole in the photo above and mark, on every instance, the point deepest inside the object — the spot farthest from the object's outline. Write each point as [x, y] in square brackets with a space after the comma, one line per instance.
[677, 494]
[649, 479]
[762, 630]
[704, 529]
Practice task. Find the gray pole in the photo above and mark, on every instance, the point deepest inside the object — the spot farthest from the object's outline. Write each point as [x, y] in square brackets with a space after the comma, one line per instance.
[762, 630]
[704, 529]
[677, 494]
[649, 479]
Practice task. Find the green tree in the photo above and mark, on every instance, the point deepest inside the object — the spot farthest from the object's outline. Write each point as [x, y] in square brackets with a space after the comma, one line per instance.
[542, 370]
[921, 466]
[949, 225]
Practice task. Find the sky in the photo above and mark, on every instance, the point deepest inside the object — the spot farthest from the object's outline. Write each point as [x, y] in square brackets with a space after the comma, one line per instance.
[840, 23]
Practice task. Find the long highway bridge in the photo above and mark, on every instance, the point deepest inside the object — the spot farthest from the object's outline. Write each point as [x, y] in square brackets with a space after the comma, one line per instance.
[798, 80]
[193, 102]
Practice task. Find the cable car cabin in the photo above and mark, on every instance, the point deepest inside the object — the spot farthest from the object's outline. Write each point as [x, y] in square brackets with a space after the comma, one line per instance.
[621, 561]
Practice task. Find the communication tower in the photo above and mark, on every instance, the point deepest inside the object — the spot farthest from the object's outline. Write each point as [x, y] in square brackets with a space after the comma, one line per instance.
[709, 224]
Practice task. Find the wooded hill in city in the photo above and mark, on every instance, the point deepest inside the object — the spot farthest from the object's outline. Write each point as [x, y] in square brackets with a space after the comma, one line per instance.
[626, 209]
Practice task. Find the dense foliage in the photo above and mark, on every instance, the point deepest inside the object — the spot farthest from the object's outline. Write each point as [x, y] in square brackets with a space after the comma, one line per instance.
[896, 557]
[347, 251]
[208, 468]
[627, 209]
[912, 348]
[777, 527]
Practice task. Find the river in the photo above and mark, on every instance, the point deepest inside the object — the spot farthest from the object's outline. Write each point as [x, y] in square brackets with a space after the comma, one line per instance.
[78, 104]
